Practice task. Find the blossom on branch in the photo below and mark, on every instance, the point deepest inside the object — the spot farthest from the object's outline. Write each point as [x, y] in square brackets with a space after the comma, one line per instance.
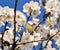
[32, 8]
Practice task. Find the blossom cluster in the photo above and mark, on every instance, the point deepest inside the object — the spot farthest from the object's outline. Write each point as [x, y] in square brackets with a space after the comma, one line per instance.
[32, 32]
[7, 15]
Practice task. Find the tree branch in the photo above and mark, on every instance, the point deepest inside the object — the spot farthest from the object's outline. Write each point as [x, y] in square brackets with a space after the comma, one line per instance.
[23, 43]
[15, 7]
[3, 34]
[51, 38]
[44, 17]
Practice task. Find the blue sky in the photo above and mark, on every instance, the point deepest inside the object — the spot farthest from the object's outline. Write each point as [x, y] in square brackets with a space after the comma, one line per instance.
[10, 3]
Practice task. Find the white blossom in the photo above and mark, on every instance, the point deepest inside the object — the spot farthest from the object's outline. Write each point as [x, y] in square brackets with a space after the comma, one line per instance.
[0, 35]
[2, 23]
[32, 8]
[30, 36]
[35, 21]
[8, 33]
[20, 18]
[50, 49]
[58, 43]
[0, 49]
[51, 6]
[53, 32]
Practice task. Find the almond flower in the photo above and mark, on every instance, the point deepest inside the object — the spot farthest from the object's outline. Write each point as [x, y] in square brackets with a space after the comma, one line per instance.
[0, 36]
[58, 43]
[26, 38]
[1, 17]
[36, 38]
[7, 14]
[1, 9]
[50, 48]
[32, 8]
[8, 36]
[20, 18]
[2, 23]
[51, 6]
[35, 21]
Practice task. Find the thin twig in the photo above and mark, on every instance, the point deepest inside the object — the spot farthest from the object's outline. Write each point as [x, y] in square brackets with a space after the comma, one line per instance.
[44, 17]
[55, 34]
[51, 38]
[3, 34]
[23, 43]
[46, 44]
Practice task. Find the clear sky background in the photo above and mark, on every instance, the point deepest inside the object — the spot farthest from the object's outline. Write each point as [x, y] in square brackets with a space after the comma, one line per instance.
[10, 3]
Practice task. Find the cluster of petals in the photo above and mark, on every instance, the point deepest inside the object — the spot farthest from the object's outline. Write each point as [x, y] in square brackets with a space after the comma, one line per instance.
[32, 8]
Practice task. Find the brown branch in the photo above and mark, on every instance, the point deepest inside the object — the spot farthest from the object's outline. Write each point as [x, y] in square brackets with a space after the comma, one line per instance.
[51, 38]
[3, 34]
[23, 43]
[22, 33]
[46, 44]
[55, 34]
[15, 19]
[44, 17]
[15, 7]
